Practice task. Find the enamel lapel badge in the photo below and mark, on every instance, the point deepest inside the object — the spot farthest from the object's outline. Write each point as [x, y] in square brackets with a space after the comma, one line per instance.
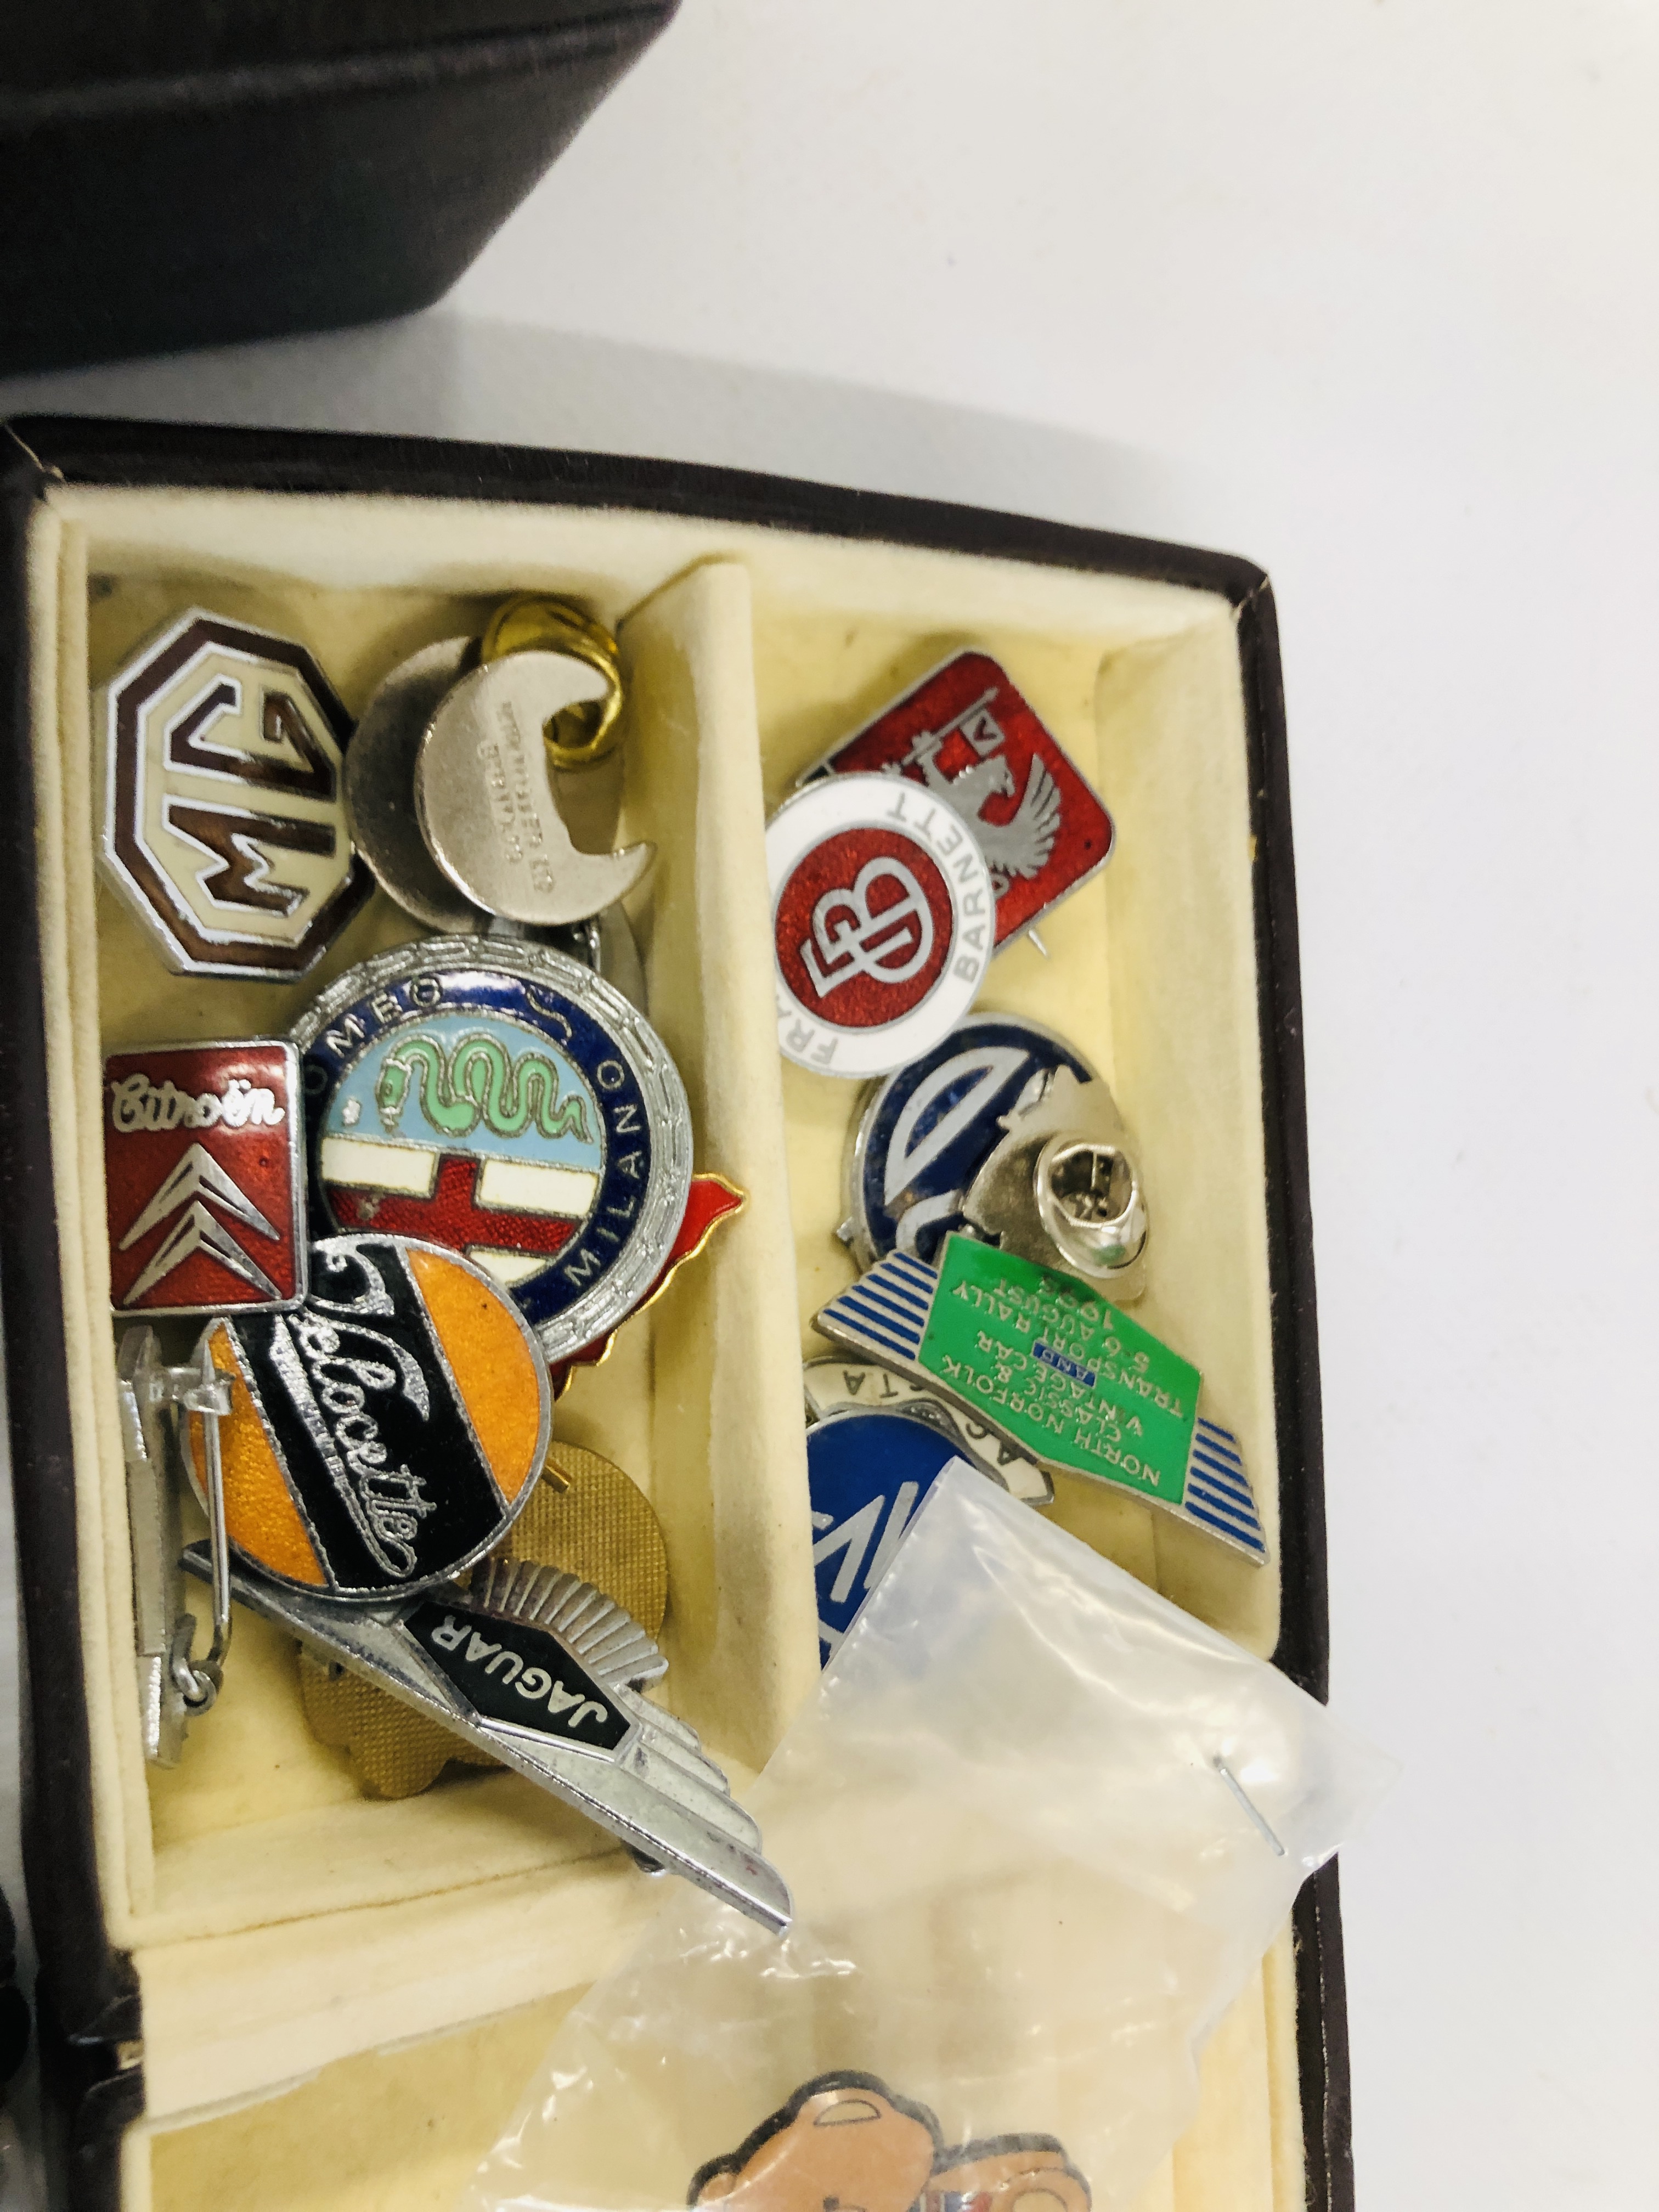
[969, 736]
[1049, 1364]
[204, 1175]
[385, 1434]
[504, 1102]
[224, 821]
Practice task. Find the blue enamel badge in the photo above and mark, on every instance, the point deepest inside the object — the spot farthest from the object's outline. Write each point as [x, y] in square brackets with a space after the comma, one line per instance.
[868, 1474]
[503, 1102]
[928, 1130]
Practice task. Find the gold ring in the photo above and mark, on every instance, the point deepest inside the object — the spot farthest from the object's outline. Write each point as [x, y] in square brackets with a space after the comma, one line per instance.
[531, 622]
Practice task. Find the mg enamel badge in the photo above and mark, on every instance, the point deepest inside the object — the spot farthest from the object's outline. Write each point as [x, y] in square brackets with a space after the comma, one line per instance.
[969, 736]
[926, 1133]
[882, 916]
[384, 1435]
[503, 1101]
[224, 817]
[204, 1177]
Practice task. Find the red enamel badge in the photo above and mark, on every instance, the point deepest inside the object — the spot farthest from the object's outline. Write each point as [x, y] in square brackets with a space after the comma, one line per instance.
[203, 1174]
[969, 736]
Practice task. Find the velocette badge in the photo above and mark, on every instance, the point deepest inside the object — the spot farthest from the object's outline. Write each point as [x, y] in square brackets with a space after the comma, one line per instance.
[204, 1177]
[224, 821]
[925, 1134]
[504, 1102]
[970, 737]
[384, 1435]
[882, 915]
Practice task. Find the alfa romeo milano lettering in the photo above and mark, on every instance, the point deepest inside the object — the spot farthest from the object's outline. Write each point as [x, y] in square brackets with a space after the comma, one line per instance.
[510, 1106]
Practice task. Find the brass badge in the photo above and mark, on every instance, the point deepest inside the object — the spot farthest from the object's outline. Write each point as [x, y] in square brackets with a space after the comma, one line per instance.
[585, 1516]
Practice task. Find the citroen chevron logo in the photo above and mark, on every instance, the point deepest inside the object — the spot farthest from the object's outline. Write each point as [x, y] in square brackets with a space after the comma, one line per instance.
[196, 1180]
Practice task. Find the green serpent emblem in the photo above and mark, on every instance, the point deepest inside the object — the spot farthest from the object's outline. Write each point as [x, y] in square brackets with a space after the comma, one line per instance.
[478, 1081]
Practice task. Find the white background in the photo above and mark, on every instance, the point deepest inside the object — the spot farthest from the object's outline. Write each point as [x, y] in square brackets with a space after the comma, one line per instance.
[1365, 289]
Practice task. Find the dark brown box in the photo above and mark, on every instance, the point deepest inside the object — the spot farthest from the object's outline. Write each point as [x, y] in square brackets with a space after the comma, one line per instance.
[815, 598]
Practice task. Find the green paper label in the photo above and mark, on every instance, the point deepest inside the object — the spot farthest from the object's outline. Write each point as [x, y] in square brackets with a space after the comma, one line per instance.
[1068, 1375]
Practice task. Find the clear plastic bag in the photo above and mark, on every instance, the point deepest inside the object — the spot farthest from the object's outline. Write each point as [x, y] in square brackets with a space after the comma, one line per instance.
[1040, 1826]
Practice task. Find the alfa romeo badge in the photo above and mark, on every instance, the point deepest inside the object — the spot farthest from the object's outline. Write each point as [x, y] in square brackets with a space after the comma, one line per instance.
[926, 1132]
[386, 1433]
[882, 913]
[224, 814]
[969, 736]
[204, 1177]
[503, 1101]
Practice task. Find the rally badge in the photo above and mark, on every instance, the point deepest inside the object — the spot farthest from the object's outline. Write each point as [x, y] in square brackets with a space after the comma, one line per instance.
[925, 1134]
[204, 1175]
[882, 916]
[1044, 1359]
[224, 812]
[505, 1102]
[386, 1433]
[970, 737]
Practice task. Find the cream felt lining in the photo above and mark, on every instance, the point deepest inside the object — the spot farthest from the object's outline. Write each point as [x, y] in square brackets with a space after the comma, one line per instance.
[280, 1923]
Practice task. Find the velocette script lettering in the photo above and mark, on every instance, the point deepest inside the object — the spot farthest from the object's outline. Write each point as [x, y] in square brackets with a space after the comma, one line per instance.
[330, 1376]
[136, 1104]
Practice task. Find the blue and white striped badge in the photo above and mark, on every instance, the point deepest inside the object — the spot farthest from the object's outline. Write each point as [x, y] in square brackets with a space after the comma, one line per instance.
[1044, 1360]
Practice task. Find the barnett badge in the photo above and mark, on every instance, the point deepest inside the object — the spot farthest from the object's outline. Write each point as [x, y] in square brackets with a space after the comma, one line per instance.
[970, 737]
[503, 1101]
[224, 812]
[881, 914]
[203, 1177]
[385, 1434]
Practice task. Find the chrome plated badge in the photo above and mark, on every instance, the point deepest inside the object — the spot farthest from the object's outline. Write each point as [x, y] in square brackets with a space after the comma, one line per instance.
[882, 918]
[205, 1176]
[969, 736]
[498, 1098]
[385, 1434]
[485, 794]
[543, 1672]
[1062, 1188]
[224, 811]
[380, 787]
[924, 1133]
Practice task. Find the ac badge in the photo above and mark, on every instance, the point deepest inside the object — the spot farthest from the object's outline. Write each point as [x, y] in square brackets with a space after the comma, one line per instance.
[204, 1177]
[224, 822]
[970, 737]
[504, 1102]
[882, 919]
[385, 1434]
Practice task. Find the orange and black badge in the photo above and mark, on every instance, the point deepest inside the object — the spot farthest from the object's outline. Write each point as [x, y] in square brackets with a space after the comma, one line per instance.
[385, 1434]
[203, 1177]
[224, 812]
